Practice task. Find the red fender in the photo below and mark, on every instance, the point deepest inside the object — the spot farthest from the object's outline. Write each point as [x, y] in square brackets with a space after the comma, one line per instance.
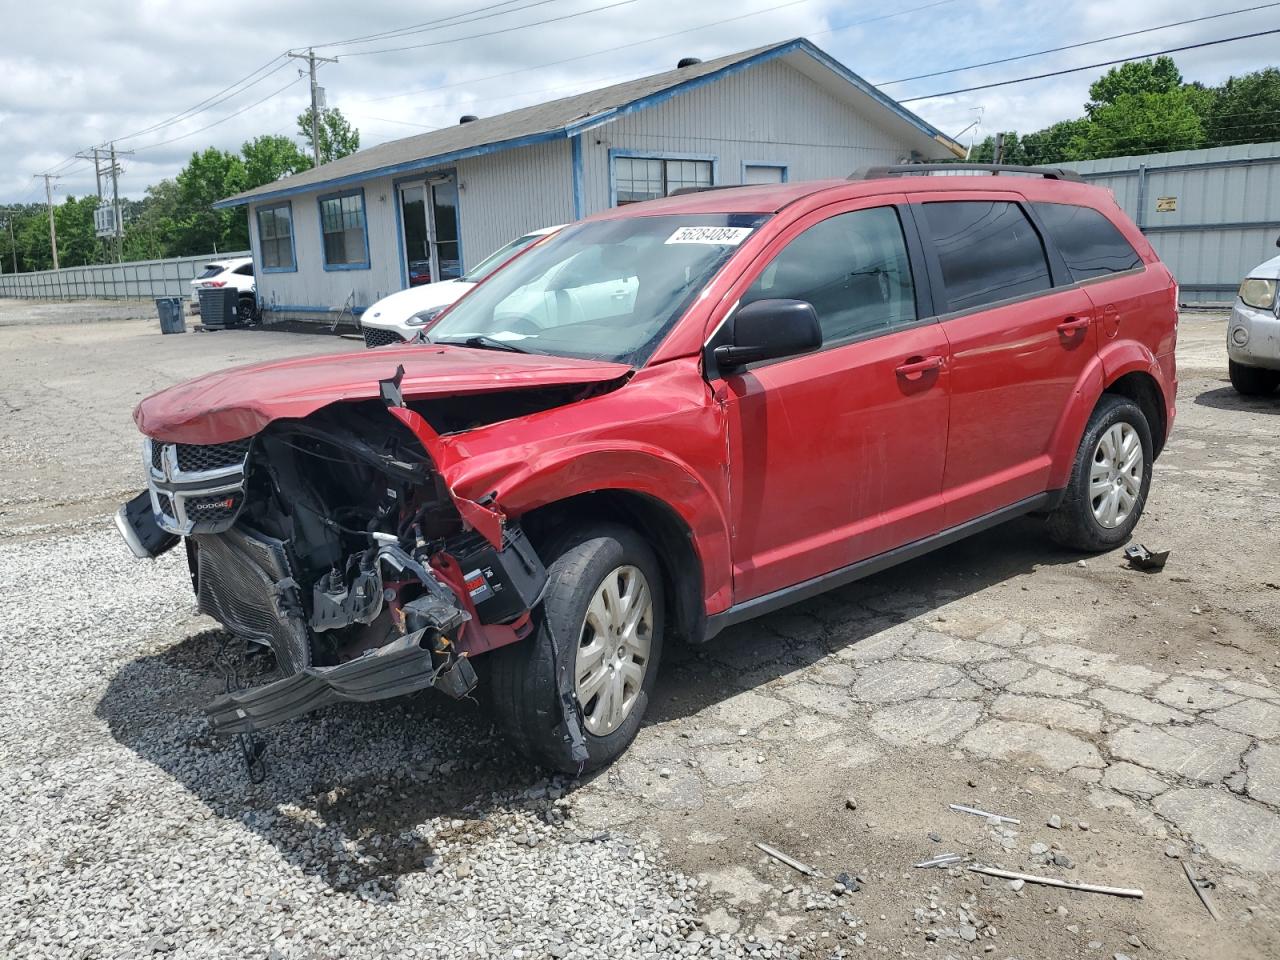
[545, 476]
[1113, 362]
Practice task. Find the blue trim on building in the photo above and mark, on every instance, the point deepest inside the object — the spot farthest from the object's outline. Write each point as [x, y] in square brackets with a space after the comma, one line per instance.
[615, 152]
[364, 223]
[771, 164]
[575, 153]
[293, 248]
[303, 308]
[588, 123]
[422, 165]
[404, 260]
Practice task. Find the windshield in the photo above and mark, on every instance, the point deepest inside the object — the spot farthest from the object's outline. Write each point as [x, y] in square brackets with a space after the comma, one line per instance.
[498, 258]
[605, 290]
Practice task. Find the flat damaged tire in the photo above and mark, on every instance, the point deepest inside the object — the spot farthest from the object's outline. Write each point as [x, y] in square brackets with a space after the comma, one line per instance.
[1110, 479]
[602, 617]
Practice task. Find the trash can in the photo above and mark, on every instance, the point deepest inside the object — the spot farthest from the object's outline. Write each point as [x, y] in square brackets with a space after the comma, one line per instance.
[171, 318]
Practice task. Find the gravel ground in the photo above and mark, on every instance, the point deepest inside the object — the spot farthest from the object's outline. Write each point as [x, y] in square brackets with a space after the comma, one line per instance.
[1130, 722]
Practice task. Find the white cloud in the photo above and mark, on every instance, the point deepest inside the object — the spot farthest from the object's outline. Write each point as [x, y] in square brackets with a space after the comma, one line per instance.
[89, 72]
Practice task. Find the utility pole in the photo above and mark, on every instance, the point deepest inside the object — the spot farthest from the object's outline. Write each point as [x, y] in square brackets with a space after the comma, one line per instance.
[97, 176]
[999, 155]
[53, 230]
[316, 94]
[115, 203]
[13, 244]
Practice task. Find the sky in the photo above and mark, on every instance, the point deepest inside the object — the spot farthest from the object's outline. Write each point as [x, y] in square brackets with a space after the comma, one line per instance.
[152, 74]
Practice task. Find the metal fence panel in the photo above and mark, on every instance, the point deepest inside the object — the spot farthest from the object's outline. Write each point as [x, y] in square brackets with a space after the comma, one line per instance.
[143, 279]
[1212, 215]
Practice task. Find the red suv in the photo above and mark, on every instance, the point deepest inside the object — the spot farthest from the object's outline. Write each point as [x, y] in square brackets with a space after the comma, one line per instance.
[669, 418]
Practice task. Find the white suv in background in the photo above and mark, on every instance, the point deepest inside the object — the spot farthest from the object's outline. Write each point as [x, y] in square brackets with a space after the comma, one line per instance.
[236, 272]
[399, 317]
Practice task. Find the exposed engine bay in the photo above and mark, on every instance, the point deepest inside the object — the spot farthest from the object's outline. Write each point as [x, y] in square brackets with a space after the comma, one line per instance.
[333, 540]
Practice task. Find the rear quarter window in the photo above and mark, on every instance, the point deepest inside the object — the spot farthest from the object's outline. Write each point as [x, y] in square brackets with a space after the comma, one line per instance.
[1089, 242]
[212, 270]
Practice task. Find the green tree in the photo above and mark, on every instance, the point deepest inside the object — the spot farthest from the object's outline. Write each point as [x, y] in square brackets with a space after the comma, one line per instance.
[338, 137]
[271, 157]
[985, 152]
[1244, 109]
[1160, 75]
[1053, 144]
[208, 177]
[77, 243]
[151, 232]
[1139, 123]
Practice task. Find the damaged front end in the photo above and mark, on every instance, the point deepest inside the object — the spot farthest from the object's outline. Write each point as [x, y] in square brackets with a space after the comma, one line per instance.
[333, 540]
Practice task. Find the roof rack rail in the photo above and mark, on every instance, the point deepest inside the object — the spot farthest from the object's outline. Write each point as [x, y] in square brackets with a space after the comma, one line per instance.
[685, 191]
[995, 169]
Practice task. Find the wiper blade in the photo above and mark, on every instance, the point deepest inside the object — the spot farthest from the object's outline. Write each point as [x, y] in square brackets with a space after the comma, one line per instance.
[481, 342]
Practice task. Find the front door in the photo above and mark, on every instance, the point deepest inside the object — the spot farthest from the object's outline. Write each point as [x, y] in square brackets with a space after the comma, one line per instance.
[1018, 347]
[837, 455]
[429, 220]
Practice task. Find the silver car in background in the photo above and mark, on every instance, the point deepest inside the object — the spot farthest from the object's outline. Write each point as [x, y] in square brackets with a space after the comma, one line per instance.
[1253, 333]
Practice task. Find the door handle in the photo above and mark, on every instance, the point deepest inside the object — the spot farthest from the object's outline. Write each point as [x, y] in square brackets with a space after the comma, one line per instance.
[1072, 324]
[917, 367]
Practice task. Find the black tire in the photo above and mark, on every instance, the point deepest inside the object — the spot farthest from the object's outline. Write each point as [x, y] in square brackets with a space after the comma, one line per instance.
[246, 311]
[1073, 523]
[1252, 381]
[522, 676]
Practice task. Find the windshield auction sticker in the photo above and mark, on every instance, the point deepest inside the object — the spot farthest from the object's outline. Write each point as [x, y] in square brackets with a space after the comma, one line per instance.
[718, 236]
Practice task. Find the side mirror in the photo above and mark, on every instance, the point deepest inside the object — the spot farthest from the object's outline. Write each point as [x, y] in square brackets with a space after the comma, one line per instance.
[767, 330]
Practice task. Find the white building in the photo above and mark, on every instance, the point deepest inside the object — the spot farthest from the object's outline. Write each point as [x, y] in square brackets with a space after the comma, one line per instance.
[349, 232]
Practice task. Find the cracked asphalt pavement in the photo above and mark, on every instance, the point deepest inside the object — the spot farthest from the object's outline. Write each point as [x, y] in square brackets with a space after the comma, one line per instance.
[1130, 722]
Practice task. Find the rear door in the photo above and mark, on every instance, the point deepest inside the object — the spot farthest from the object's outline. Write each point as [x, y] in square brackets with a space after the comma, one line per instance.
[1017, 345]
[837, 455]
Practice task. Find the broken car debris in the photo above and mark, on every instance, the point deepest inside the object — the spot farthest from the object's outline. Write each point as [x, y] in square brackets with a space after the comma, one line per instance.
[961, 808]
[791, 862]
[1053, 882]
[1140, 558]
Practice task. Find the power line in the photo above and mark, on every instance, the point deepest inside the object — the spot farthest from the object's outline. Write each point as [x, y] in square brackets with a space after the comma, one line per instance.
[1076, 46]
[492, 33]
[438, 23]
[664, 36]
[183, 136]
[1093, 66]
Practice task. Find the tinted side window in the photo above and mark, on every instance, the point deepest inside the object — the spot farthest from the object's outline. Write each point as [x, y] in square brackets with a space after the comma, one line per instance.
[853, 268]
[1088, 241]
[988, 251]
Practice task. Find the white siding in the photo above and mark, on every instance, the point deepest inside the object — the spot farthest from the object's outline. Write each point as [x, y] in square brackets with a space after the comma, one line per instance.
[504, 195]
[312, 286]
[771, 113]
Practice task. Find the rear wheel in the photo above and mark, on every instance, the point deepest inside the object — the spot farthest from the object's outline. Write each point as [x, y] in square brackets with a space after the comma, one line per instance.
[1109, 479]
[601, 616]
[246, 311]
[1252, 381]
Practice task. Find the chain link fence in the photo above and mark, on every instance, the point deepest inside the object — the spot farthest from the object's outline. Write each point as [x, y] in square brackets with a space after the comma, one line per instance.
[140, 280]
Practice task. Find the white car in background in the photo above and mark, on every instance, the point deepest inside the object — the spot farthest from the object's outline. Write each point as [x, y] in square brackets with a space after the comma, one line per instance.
[1253, 332]
[399, 317]
[237, 272]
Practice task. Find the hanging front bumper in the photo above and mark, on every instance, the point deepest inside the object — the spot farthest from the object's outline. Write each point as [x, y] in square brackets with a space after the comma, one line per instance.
[402, 666]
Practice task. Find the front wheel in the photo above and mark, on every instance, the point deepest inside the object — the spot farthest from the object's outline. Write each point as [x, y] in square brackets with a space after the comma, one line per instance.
[1109, 479]
[246, 311]
[1252, 381]
[602, 617]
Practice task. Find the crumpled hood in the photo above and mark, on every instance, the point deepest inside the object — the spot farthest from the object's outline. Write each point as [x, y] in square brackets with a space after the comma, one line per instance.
[237, 403]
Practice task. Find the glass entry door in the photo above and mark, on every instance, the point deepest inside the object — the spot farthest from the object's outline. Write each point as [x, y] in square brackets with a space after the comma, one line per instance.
[429, 218]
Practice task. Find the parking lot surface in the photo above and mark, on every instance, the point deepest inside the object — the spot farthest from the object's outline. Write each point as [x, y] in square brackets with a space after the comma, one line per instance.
[1130, 722]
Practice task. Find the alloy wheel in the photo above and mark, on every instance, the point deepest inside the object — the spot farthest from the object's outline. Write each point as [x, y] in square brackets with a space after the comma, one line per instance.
[613, 649]
[1115, 479]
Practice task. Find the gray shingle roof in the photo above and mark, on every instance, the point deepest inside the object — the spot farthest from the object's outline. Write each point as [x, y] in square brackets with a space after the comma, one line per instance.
[531, 124]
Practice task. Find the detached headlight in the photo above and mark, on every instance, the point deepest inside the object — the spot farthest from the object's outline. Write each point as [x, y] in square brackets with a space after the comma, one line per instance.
[1257, 293]
[423, 317]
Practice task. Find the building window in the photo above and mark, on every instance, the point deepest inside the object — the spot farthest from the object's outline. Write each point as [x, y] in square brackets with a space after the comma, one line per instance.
[275, 237]
[643, 178]
[342, 224]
